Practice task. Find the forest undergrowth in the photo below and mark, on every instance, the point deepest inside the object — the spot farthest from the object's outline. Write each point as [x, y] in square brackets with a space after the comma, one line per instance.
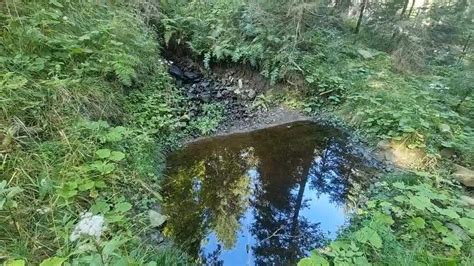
[88, 110]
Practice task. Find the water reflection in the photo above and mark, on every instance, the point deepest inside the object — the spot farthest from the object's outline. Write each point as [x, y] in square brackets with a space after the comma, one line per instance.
[265, 197]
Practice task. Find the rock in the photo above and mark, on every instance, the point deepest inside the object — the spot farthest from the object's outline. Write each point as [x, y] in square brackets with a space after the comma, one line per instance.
[252, 94]
[383, 144]
[191, 76]
[176, 72]
[444, 128]
[225, 93]
[205, 84]
[366, 54]
[468, 200]
[464, 175]
[156, 218]
[205, 97]
[241, 85]
[447, 153]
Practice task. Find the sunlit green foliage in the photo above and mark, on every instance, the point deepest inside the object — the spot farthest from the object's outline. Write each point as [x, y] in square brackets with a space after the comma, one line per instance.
[406, 76]
[397, 91]
[408, 221]
[84, 99]
[65, 144]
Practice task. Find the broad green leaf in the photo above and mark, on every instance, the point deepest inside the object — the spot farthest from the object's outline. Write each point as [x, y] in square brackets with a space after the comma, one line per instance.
[314, 260]
[470, 213]
[116, 156]
[371, 204]
[420, 202]
[15, 263]
[361, 261]
[55, 3]
[100, 206]
[113, 218]
[448, 212]
[2, 203]
[115, 134]
[86, 185]
[112, 245]
[13, 191]
[103, 167]
[103, 153]
[439, 227]
[306, 262]
[417, 223]
[123, 207]
[309, 79]
[467, 224]
[340, 245]
[367, 234]
[54, 261]
[452, 240]
[382, 218]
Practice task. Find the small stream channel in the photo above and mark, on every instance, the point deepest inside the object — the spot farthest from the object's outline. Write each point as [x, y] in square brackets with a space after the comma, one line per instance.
[264, 197]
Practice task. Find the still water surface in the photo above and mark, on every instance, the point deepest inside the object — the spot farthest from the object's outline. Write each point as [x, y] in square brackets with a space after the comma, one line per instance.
[260, 198]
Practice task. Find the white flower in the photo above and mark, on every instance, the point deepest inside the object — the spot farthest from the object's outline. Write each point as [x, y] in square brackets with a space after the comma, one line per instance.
[89, 225]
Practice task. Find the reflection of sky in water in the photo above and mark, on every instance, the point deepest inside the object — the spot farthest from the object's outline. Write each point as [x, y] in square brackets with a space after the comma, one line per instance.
[241, 254]
[318, 209]
[271, 196]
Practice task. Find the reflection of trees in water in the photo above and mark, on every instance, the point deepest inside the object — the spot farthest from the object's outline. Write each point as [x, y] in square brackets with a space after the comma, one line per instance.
[209, 189]
[282, 236]
[213, 258]
[183, 205]
[332, 172]
[212, 193]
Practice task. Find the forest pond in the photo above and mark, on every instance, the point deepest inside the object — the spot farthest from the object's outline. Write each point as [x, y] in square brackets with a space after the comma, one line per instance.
[265, 197]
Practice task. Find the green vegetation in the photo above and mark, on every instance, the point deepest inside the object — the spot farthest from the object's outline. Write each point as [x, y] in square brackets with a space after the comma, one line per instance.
[87, 109]
[398, 72]
[406, 221]
[84, 98]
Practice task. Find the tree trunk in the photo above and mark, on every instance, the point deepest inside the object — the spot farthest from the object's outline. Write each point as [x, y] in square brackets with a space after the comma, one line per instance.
[361, 15]
[411, 8]
[465, 47]
[405, 5]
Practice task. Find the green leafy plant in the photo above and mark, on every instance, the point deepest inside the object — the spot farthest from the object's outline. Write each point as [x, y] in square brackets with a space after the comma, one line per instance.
[419, 219]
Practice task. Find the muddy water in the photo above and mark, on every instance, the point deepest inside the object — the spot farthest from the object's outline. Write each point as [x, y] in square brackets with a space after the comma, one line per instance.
[265, 197]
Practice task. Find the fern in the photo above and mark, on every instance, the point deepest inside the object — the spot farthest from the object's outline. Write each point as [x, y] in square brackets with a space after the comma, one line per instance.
[124, 68]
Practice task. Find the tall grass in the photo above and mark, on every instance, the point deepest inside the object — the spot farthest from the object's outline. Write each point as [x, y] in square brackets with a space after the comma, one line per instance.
[66, 67]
